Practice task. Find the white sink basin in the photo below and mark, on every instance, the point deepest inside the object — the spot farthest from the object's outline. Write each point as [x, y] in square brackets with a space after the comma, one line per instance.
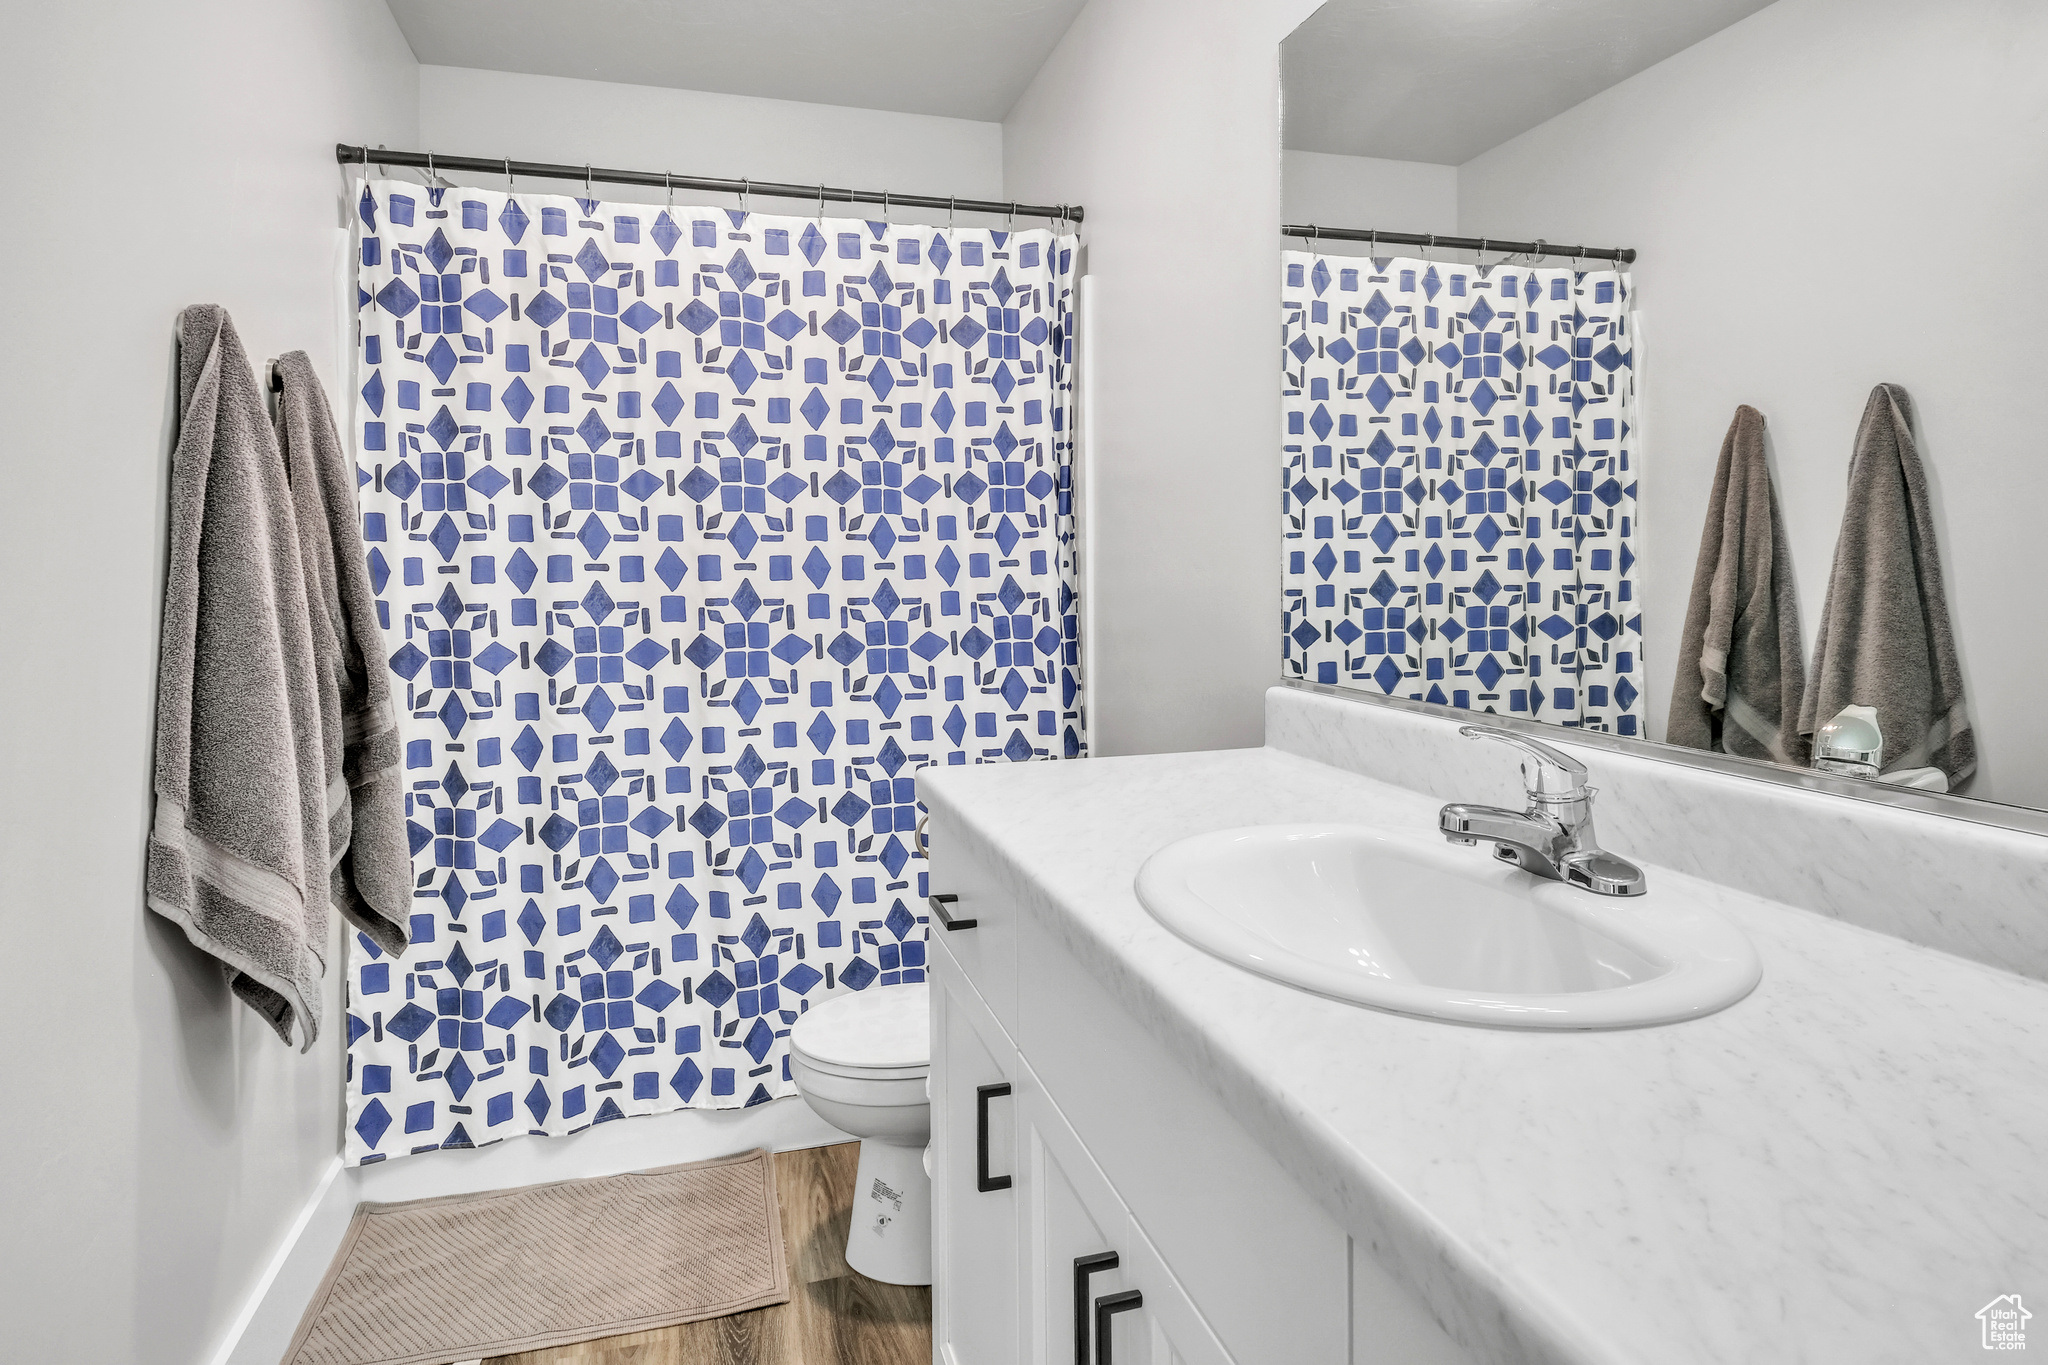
[1423, 927]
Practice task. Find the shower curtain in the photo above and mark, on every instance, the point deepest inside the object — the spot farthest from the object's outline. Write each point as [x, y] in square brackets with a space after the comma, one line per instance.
[695, 534]
[1458, 486]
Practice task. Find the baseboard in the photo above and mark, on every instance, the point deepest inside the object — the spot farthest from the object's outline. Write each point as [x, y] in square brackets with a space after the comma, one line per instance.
[263, 1330]
[284, 1251]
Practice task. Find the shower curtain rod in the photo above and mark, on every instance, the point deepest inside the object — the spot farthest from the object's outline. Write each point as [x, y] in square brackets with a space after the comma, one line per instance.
[378, 156]
[1623, 254]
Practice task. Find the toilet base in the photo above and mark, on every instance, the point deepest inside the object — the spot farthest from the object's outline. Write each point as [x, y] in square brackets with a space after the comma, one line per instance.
[891, 1236]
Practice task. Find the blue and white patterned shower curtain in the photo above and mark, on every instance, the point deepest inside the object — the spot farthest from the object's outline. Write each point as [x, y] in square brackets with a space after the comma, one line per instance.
[1459, 485]
[695, 534]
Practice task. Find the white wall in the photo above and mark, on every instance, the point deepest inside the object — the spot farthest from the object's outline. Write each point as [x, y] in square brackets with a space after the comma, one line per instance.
[1325, 190]
[691, 132]
[156, 1140]
[158, 1143]
[1166, 127]
[1828, 195]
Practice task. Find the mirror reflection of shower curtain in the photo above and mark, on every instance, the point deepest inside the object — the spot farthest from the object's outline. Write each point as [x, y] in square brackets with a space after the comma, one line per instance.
[1459, 486]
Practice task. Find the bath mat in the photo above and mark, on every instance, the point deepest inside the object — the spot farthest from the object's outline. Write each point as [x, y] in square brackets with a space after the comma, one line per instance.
[472, 1275]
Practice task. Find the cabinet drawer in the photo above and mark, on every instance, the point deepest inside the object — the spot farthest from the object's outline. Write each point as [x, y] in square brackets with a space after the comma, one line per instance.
[986, 953]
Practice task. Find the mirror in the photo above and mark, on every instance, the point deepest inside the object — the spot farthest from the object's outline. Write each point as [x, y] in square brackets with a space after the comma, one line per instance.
[1746, 448]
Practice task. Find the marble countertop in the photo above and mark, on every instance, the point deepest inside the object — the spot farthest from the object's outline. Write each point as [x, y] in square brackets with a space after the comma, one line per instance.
[1844, 1166]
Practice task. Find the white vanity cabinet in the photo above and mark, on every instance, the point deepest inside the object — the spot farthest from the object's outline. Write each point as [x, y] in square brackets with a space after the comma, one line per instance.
[1092, 1203]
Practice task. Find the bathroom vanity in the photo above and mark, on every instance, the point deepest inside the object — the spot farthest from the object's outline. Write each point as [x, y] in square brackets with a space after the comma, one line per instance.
[1142, 1152]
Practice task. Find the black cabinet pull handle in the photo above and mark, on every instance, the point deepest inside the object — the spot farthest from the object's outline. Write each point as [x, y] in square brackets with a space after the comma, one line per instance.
[983, 1181]
[1106, 1307]
[1085, 1266]
[938, 906]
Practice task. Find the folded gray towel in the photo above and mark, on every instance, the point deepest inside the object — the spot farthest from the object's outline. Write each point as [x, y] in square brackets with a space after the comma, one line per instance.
[1739, 674]
[364, 768]
[1885, 640]
[238, 848]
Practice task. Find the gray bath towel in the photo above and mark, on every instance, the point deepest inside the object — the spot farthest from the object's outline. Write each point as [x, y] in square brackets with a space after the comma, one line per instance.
[371, 881]
[1739, 674]
[238, 849]
[1885, 640]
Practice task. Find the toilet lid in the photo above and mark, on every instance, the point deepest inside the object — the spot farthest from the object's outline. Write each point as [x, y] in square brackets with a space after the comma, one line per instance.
[887, 1028]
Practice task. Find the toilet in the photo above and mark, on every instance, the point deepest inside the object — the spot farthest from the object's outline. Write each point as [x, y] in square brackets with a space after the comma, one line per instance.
[860, 1061]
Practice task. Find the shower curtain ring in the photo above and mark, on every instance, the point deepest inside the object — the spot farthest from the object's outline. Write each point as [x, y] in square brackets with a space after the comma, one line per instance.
[952, 210]
[586, 184]
[821, 203]
[746, 188]
[1010, 223]
[511, 185]
[1539, 253]
[1479, 257]
[430, 170]
[668, 183]
[885, 206]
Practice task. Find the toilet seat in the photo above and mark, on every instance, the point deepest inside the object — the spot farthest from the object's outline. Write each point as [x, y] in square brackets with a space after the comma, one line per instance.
[875, 1035]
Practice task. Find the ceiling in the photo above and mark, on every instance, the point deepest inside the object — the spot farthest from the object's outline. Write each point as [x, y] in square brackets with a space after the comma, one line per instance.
[959, 58]
[1444, 80]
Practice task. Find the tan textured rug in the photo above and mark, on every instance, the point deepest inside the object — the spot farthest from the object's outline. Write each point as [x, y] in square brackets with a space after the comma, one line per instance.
[472, 1275]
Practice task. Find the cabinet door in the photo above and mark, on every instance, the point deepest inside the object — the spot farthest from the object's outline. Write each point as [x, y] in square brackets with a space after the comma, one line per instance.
[1095, 1290]
[986, 953]
[1072, 1257]
[974, 1198]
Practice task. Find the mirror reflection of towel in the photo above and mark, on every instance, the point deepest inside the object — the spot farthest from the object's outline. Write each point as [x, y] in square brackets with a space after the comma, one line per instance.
[1885, 638]
[1739, 674]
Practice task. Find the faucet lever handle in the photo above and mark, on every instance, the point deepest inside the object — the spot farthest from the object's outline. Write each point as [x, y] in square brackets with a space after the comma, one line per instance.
[1545, 771]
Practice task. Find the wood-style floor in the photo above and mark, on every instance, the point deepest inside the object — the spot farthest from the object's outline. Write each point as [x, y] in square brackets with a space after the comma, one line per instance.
[834, 1316]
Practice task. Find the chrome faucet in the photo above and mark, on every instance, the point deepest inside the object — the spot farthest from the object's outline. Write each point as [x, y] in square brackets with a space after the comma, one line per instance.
[1554, 837]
